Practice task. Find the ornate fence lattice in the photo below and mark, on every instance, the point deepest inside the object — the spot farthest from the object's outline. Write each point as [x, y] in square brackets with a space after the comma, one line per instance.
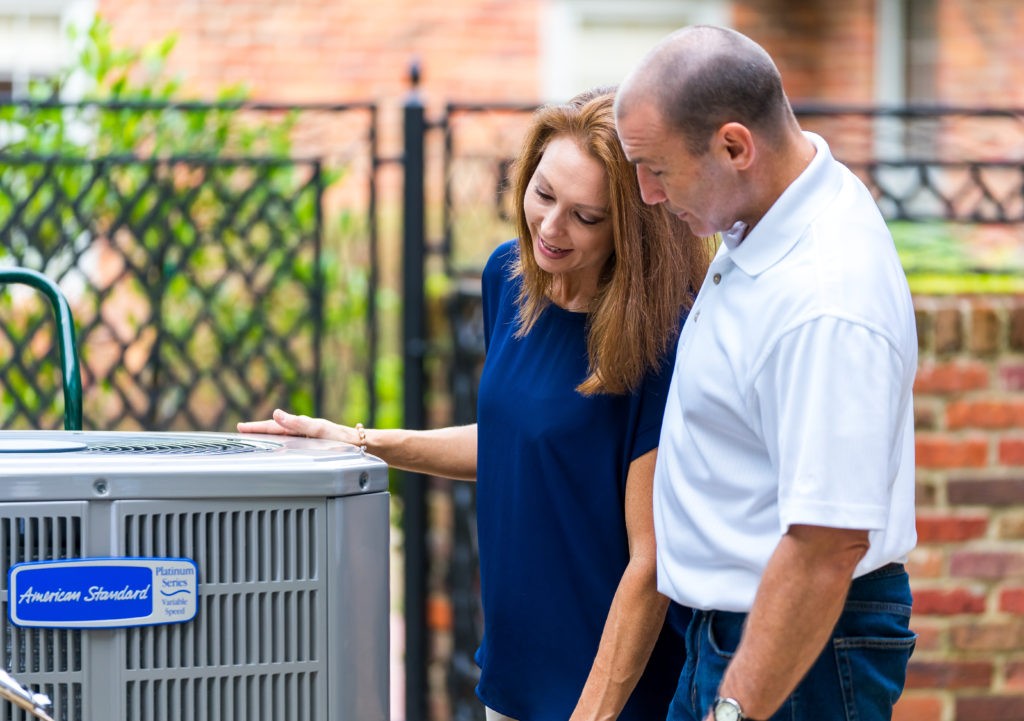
[194, 285]
[200, 284]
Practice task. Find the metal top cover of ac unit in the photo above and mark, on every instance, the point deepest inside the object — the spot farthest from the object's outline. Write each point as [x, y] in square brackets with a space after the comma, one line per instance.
[116, 465]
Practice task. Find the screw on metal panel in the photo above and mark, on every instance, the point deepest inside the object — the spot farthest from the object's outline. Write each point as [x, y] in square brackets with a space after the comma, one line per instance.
[101, 486]
[364, 480]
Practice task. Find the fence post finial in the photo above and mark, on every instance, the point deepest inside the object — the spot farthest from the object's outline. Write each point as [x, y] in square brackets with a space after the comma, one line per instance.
[414, 74]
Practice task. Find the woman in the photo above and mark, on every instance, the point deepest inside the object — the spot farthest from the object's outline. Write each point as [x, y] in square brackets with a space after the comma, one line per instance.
[580, 317]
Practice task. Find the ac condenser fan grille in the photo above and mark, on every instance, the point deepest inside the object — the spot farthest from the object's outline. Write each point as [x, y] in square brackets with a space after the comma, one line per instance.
[175, 446]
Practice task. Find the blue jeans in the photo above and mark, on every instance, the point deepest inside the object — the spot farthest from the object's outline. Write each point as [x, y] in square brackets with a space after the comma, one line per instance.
[858, 676]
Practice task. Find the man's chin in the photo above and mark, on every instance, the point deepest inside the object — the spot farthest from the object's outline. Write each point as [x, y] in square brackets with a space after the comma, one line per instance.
[695, 225]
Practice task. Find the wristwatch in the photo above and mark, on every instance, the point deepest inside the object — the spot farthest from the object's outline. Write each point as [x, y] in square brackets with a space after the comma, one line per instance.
[727, 709]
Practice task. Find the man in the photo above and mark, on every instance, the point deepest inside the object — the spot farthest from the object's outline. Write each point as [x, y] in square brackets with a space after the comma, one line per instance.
[784, 489]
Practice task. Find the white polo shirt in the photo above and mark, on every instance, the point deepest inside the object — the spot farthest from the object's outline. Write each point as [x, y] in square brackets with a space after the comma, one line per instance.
[791, 401]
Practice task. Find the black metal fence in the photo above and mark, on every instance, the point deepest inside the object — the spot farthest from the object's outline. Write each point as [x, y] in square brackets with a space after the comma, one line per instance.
[198, 282]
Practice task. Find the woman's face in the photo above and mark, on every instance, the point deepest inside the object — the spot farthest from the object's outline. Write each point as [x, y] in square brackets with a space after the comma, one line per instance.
[566, 208]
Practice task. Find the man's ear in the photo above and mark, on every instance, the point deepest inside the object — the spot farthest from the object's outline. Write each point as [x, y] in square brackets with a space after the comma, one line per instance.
[737, 142]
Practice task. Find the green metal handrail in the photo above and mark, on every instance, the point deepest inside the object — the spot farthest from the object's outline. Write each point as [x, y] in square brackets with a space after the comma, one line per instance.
[70, 374]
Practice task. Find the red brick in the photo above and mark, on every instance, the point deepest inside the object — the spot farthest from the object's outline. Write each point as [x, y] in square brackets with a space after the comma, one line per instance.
[926, 493]
[1015, 676]
[1011, 451]
[984, 338]
[918, 707]
[992, 414]
[953, 377]
[924, 562]
[1017, 331]
[984, 491]
[990, 708]
[994, 565]
[948, 331]
[932, 633]
[927, 412]
[987, 636]
[1012, 376]
[949, 674]
[942, 451]
[947, 602]
[1011, 600]
[937, 527]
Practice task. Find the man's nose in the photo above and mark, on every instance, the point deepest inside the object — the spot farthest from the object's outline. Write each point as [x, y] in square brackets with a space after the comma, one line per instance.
[650, 187]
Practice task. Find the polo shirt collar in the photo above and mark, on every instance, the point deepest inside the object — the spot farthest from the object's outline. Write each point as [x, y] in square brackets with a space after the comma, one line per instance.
[784, 223]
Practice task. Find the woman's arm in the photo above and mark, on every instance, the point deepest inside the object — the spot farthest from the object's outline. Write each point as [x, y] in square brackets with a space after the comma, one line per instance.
[447, 452]
[637, 612]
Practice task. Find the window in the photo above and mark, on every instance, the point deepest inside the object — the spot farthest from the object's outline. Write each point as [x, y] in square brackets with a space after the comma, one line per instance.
[34, 41]
[585, 43]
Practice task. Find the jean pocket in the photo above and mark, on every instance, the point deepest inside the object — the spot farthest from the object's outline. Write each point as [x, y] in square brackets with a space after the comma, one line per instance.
[724, 631]
[872, 672]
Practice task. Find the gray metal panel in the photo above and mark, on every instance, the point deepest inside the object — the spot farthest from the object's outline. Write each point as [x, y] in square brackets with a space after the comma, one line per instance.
[359, 631]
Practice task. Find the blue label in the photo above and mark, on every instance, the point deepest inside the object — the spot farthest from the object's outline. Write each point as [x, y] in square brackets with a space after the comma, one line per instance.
[103, 592]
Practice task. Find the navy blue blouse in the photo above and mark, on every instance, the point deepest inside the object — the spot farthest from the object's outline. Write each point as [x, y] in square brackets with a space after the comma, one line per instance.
[551, 480]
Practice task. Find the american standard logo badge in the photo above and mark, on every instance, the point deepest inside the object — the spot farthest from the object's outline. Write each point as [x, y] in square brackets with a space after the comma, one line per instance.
[103, 592]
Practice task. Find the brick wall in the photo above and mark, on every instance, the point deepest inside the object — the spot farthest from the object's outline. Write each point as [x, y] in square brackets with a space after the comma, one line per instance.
[339, 50]
[981, 58]
[825, 51]
[968, 569]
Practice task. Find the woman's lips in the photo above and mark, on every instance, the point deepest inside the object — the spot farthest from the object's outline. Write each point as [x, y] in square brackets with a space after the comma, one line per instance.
[552, 251]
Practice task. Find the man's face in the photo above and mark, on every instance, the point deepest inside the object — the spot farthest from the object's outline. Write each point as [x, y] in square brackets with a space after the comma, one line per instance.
[695, 188]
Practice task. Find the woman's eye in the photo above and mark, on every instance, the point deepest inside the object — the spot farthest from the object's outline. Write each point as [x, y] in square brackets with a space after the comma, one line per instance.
[541, 194]
[588, 221]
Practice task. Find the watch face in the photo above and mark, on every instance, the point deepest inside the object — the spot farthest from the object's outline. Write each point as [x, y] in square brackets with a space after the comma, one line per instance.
[727, 710]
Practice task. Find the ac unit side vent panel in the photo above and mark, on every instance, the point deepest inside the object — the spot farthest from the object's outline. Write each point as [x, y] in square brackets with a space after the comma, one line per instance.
[266, 543]
[50, 659]
[255, 646]
[252, 697]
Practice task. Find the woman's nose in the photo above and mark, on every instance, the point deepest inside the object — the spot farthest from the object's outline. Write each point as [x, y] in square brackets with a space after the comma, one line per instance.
[552, 223]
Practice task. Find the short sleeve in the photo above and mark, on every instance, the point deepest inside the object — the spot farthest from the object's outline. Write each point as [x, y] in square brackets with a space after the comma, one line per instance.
[494, 282]
[828, 398]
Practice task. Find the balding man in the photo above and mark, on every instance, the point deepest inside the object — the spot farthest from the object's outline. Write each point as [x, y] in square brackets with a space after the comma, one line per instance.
[784, 489]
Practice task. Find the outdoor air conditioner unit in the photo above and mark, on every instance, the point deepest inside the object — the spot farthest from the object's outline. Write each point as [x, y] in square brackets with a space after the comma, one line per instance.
[194, 576]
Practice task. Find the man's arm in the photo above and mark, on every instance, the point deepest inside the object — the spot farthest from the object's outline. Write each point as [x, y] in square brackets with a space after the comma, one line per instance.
[796, 607]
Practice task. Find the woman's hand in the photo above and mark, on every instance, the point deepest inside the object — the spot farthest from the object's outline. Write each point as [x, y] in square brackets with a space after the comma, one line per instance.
[447, 452]
[288, 424]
